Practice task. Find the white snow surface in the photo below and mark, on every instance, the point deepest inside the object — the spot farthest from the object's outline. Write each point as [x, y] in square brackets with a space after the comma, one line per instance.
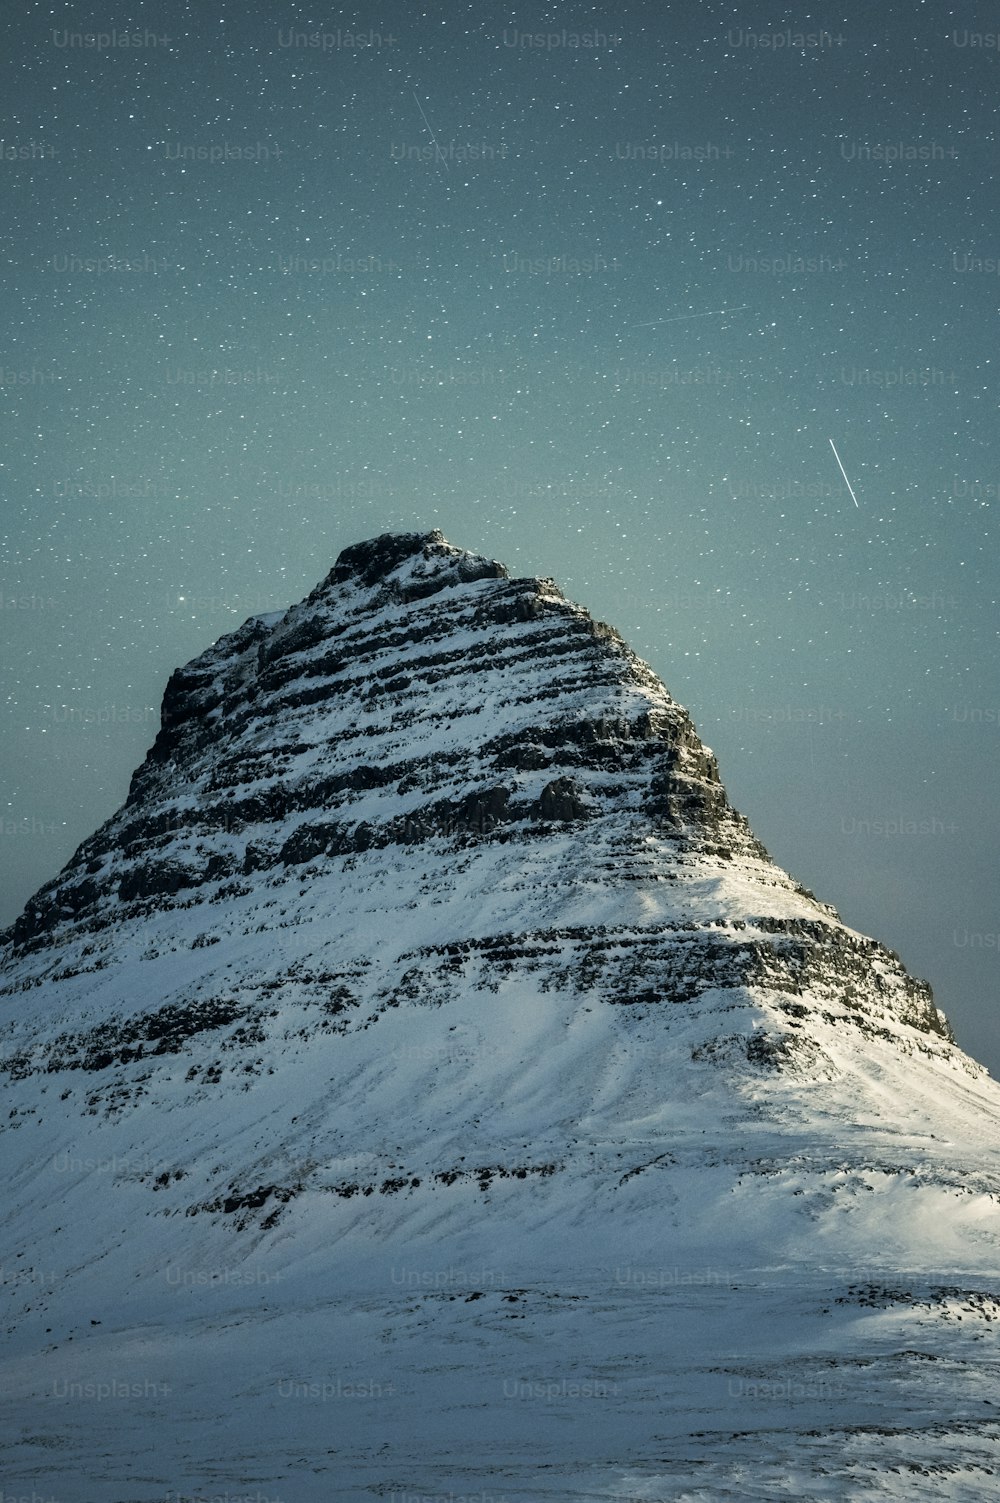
[417, 1211]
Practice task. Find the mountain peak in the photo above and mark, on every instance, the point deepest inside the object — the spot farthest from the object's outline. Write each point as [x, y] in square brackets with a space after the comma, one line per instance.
[417, 564]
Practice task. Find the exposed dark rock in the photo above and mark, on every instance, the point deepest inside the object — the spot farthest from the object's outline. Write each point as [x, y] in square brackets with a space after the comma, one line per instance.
[148, 879]
[371, 562]
[561, 799]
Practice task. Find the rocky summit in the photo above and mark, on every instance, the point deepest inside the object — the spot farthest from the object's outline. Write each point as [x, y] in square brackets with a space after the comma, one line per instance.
[426, 1085]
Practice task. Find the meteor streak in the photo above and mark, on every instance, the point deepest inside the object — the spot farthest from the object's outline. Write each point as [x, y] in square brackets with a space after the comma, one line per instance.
[677, 318]
[437, 149]
[836, 456]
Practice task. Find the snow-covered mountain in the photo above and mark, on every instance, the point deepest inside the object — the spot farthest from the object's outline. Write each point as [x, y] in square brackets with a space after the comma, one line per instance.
[426, 1085]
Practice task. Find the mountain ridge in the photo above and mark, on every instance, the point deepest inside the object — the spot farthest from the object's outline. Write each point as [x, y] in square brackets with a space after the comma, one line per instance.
[427, 938]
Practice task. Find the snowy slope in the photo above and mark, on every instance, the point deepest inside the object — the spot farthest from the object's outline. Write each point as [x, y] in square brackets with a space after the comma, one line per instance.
[427, 1020]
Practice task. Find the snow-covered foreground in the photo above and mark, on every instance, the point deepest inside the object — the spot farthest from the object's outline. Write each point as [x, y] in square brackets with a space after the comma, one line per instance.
[712, 1305]
[663, 1381]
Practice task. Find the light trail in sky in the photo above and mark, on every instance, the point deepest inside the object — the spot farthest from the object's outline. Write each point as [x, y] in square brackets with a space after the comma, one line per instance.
[836, 456]
[676, 317]
[437, 149]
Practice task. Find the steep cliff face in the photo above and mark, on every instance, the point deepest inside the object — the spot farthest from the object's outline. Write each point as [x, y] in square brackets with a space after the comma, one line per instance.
[418, 691]
[418, 694]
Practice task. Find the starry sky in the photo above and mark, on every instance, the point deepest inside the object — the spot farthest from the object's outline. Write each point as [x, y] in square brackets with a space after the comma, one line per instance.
[608, 292]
